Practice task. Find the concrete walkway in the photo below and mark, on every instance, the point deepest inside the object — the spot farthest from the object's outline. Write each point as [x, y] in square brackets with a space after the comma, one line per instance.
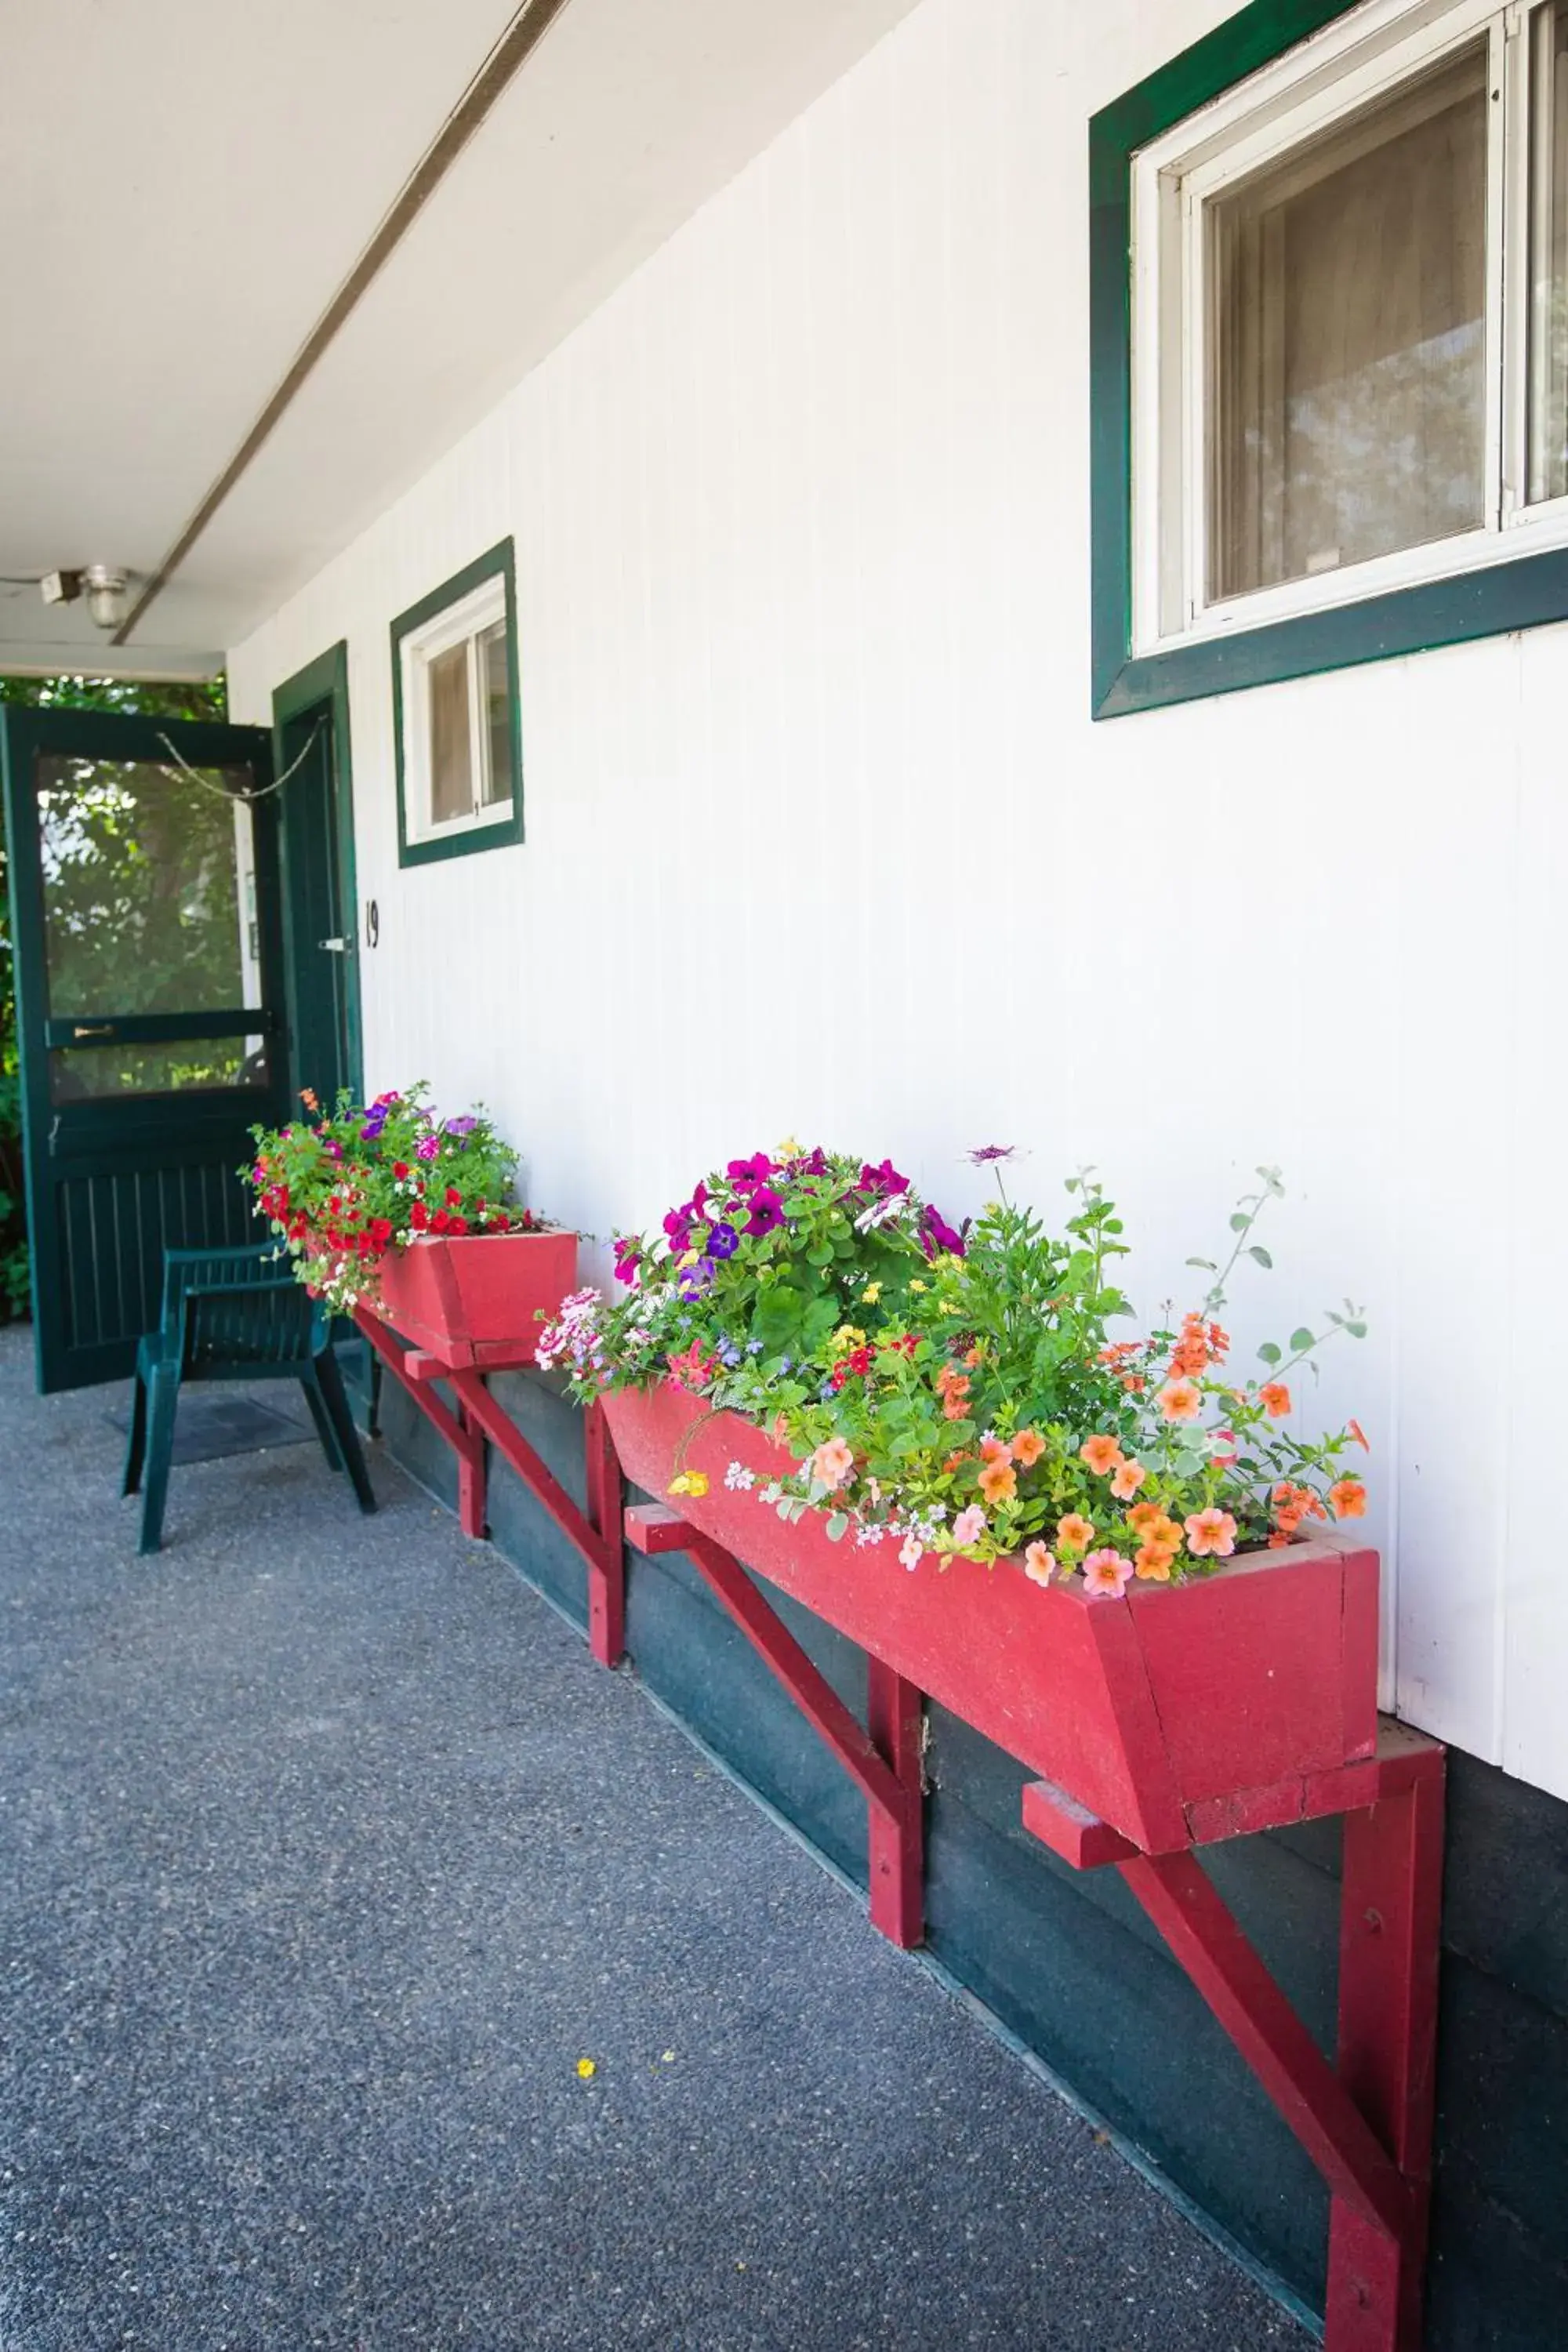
[328, 1856]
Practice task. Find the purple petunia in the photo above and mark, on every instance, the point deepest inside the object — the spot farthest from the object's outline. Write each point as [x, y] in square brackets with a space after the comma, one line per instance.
[463, 1126]
[991, 1152]
[695, 1279]
[723, 1241]
[748, 1174]
[628, 1257]
[885, 1179]
[936, 1234]
[768, 1211]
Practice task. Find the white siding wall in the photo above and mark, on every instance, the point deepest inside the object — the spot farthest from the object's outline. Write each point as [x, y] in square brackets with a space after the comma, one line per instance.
[821, 838]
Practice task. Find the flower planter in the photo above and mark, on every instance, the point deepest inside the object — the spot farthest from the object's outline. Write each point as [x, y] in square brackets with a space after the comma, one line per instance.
[477, 1297]
[1179, 1713]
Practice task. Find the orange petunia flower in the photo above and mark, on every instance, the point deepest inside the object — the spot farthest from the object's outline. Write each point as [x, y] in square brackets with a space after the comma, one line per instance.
[1348, 1497]
[1180, 1400]
[998, 1481]
[1101, 1454]
[1142, 1517]
[1039, 1565]
[1128, 1478]
[1275, 1398]
[956, 1461]
[1027, 1448]
[1211, 1534]
[1075, 1533]
[994, 1449]
[954, 1405]
[1153, 1562]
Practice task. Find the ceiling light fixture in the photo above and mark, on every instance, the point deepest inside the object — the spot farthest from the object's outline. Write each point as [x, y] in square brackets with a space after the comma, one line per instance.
[104, 585]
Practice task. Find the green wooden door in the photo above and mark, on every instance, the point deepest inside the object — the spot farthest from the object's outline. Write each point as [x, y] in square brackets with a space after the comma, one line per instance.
[144, 914]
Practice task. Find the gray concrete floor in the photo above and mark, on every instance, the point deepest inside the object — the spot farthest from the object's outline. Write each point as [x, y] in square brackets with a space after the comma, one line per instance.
[328, 1855]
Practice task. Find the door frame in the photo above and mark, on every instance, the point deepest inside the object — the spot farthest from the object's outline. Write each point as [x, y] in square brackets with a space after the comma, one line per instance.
[325, 681]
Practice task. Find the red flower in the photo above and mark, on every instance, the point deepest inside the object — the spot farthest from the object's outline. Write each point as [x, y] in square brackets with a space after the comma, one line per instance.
[400, 1169]
[440, 1223]
[454, 1198]
[457, 1225]
[418, 1216]
[380, 1231]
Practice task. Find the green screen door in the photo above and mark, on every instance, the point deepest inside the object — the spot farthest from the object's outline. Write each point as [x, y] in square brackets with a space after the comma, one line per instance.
[144, 919]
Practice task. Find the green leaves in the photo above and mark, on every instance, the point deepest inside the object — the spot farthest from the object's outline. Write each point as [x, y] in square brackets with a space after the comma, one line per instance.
[1261, 1255]
[1268, 1353]
[1301, 1341]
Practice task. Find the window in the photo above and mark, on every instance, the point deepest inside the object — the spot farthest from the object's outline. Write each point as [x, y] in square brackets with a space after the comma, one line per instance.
[1344, 341]
[458, 771]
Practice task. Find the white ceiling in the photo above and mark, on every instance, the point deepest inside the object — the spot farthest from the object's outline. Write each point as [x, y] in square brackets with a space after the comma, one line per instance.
[186, 183]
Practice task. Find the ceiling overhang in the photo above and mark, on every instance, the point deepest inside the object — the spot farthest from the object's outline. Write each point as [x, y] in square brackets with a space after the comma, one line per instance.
[192, 185]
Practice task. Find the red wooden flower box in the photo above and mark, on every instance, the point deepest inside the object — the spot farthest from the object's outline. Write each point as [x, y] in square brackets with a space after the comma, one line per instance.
[475, 1299]
[1178, 1714]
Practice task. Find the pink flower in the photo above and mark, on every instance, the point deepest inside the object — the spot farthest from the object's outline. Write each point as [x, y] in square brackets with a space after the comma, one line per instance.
[911, 1551]
[969, 1526]
[832, 1463]
[1107, 1572]
[1210, 1531]
[429, 1148]
[691, 1368]
[1039, 1565]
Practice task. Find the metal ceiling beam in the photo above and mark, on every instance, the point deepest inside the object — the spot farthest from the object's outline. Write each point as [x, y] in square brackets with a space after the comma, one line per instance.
[517, 43]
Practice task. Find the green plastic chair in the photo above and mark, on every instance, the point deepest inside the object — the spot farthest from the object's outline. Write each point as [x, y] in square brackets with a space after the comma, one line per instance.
[229, 1315]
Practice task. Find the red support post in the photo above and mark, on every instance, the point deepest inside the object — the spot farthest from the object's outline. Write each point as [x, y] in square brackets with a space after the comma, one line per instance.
[607, 1571]
[1366, 2122]
[1389, 1929]
[896, 1718]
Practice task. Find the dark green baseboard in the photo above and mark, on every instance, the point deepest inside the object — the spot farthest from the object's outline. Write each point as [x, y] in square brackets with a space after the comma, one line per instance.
[1070, 1967]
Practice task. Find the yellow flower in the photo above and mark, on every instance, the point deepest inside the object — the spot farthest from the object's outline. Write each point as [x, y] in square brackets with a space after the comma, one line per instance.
[680, 1485]
[869, 1296]
[788, 1149]
[587, 2069]
[917, 1286]
[690, 1259]
[849, 1336]
[697, 1481]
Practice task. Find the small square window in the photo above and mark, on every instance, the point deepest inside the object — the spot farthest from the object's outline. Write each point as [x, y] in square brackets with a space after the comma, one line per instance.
[1348, 325]
[459, 779]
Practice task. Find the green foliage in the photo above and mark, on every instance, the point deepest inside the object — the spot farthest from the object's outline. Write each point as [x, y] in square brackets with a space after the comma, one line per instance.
[180, 701]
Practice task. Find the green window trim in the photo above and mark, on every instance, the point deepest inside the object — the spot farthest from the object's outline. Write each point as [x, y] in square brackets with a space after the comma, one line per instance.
[1487, 601]
[497, 563]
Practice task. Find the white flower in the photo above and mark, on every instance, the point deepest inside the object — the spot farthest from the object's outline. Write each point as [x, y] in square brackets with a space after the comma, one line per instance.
[911, 1551]
[739, 1479]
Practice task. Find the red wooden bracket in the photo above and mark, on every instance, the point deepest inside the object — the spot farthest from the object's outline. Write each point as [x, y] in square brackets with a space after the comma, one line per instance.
[596, 1534]
[1366, 2122]
[884, 1761]
[414, 1370]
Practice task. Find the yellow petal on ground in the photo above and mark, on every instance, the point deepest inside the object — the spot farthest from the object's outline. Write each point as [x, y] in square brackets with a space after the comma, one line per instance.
[668, 2057]
[587, 2069]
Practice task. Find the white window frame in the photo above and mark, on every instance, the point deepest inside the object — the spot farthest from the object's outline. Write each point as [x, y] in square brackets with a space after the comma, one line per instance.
[465, 620]
[1347, 66]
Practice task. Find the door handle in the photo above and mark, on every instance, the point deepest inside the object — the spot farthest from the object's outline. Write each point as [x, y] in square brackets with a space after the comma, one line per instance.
[93, 1029]
[337, 947]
